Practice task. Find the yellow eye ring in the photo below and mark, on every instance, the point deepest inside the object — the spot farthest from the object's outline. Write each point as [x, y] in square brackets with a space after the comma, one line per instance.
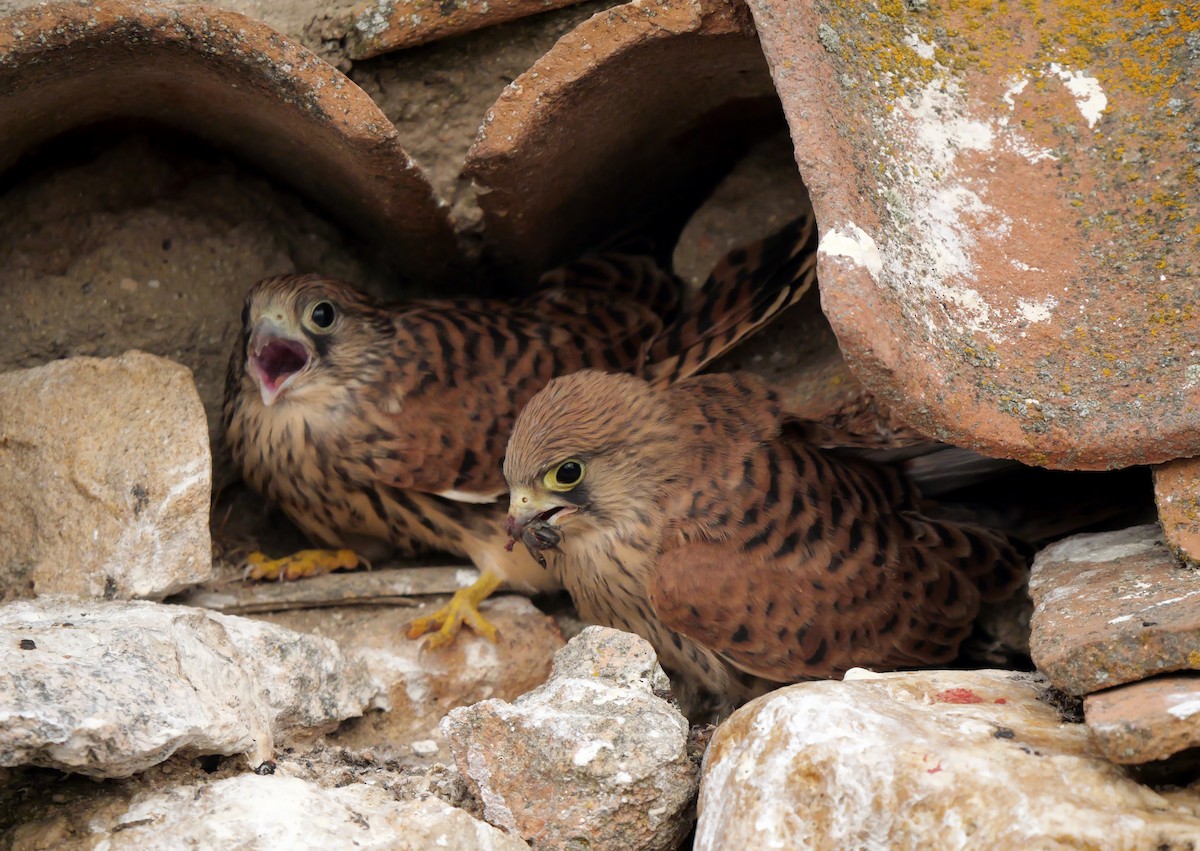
[565, 476]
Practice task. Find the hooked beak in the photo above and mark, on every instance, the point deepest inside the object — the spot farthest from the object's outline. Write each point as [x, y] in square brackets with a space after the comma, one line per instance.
[535, 523]
[275, 359]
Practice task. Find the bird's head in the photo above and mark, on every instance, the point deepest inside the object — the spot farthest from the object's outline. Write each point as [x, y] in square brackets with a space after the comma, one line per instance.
[302, 331]
[591, 451]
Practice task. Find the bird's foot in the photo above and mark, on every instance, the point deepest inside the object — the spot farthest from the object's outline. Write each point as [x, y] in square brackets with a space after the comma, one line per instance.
[300, 564]
[443, 625]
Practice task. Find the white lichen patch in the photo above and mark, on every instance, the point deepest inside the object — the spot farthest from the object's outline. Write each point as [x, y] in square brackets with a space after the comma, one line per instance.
[1015, 88]
[932, 262]
[1037, 311]
[1188, 706]
[942, 211]
[1089, 96]
[920, 47]
[855, 244]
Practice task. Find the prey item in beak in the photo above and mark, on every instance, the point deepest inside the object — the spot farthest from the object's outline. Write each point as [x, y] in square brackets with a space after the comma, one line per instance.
[537, 531]
[275, 360]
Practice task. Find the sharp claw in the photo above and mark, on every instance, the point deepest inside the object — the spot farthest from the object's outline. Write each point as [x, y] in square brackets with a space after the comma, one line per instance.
[259, 566]
[443, 626]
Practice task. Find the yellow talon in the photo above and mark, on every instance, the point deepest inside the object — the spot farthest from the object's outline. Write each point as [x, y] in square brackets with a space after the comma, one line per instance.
[299, 564]
[463, 608]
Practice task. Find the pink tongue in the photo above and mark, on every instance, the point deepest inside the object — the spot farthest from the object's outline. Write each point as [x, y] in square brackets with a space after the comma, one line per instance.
[280, 359]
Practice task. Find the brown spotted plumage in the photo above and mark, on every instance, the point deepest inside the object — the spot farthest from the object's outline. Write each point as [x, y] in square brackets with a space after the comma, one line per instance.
[705, 519]
[374, 424]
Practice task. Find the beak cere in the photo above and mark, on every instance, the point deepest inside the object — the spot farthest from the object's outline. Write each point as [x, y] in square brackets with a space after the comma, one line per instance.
[275, 361]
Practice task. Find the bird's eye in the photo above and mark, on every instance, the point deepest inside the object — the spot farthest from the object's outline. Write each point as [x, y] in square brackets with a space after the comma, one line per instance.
[565, 476]
[322, 314]
[245, 314]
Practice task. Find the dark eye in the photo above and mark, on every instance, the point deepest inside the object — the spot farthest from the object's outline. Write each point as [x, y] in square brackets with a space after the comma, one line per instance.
[322, 314]
[245, 314]
[569, 472]
[565, 476]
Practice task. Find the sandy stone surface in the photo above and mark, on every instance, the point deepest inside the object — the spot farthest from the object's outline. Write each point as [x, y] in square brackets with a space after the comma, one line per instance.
[417, 686]
[1145, 721]
[595, 757]
[933, 759]
[1111, 608]
[106, 478]
[111, 688]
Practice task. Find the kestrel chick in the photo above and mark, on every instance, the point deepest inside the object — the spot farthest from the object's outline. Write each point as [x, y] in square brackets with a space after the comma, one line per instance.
[701, 517]
[382, 427]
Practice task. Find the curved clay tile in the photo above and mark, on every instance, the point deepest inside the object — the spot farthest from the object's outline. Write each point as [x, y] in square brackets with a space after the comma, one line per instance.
[1008, 205]
[612, 119]
[230, 80]
[377, 26]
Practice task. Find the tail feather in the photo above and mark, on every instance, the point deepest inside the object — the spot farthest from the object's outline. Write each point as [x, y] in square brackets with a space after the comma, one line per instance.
[747, 289]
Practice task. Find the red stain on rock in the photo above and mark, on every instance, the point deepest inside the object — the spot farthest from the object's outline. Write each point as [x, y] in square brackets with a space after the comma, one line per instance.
[960, 695]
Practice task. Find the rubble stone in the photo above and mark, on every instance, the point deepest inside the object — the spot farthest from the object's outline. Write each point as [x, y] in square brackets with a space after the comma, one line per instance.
[594, 758]
[1145, 721]
[105, 479]
[268, 812]
[1111, 608]
[110, 688]
[418, 686]
[945, 759]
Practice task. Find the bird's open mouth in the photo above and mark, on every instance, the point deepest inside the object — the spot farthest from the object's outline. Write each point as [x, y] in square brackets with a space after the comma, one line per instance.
[276, 361]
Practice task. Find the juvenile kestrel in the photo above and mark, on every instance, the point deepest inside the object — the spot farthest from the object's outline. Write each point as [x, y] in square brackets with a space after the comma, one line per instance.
[382, 427]
[703, 518]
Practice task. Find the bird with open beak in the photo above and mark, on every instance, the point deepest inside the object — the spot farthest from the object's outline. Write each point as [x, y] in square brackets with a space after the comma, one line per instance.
[381, 427]
[702, 517]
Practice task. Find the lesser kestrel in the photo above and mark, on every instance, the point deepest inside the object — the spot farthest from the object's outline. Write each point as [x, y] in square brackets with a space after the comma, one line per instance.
[382, 427]
[705, 519]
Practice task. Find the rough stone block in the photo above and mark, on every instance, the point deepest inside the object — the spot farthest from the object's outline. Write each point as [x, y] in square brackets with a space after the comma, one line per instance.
[1111, 608]
[1145, 721]
[594, 758]
[105, 479]
[108, 689]
[917, 760]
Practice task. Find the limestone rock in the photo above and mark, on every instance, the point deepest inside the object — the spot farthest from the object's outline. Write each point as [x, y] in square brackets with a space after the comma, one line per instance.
[945, 759]
[271, 812]
[419, 686]
[110, 688]
[1145, 721]
[1177, 496]
[593, 758]
[105, 479]
[1111, 608]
